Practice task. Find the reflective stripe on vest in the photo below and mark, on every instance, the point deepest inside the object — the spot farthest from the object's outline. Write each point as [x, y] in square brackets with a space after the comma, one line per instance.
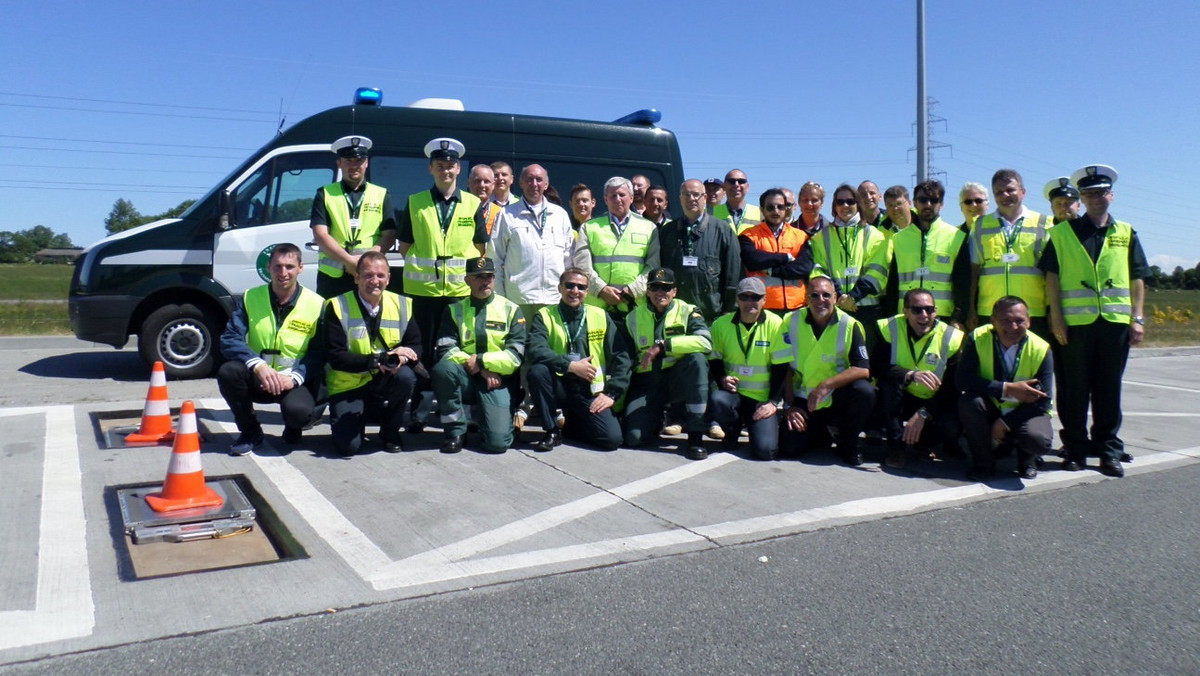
[592, 317]
[1099, 289]
[1033, 353]
[281, 347]
[815, 359]
[618, 260]
[942, 244]
[370, 214]
[500, 314]
[436, 263]
[782, 294]
[833, 262]
[751, 367]
[641, 328]
[1021, 278]
[943, 343]
[393, 322]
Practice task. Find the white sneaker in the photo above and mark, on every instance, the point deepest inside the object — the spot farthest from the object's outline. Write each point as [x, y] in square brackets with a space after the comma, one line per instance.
[672, 429]
[519, 419]
[715, 432]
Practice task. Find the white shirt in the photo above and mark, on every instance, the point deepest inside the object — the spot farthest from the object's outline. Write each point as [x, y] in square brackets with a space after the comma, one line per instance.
[528, 264]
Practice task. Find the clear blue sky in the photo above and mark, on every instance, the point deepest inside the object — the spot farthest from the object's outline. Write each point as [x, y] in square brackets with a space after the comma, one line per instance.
[156, 102]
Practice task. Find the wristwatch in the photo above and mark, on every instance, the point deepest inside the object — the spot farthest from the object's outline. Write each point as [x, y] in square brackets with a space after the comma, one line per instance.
[923, 413]
[1139, 320]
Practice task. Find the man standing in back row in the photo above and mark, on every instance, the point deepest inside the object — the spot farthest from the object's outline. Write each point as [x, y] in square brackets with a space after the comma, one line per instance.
[349, 217]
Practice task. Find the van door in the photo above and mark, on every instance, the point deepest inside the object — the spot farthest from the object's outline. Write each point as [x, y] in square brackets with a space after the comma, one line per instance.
[271, 203]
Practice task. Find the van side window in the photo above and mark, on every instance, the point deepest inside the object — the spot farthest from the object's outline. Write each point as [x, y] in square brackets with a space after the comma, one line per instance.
[282, 189]
[403, 176]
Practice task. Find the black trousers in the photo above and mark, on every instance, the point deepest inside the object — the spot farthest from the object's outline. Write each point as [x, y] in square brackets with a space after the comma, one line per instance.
[898, 405]
[384, 399]
[1093, 362]
[550, 391]
[978, 413]
[849, 410]
[241, 390]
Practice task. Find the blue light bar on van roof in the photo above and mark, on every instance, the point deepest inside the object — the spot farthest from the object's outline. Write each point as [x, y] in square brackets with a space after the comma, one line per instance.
[646, 116]
[368, 96]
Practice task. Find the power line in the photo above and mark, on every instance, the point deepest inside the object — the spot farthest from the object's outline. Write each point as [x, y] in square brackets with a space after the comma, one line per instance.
[124, 143]
[136, 103]
[134, 112]
[122, 152]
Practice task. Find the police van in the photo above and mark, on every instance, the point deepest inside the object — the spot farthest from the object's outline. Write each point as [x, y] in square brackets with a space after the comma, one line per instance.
[172, 283]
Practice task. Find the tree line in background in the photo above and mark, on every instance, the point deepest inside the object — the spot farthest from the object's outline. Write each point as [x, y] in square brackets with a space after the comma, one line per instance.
[1179, 279]
[23, 245]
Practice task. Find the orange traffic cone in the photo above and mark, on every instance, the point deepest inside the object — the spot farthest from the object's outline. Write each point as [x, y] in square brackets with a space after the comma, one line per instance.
[156, 416]
[184, 487]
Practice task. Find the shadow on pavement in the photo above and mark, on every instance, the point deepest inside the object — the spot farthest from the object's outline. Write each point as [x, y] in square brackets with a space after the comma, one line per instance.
[118, 366]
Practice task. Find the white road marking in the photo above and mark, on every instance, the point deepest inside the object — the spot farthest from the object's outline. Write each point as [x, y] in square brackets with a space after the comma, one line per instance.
[64, 607]
[1157, 414]
[1161, 387]
[359, 552]
[544, 520]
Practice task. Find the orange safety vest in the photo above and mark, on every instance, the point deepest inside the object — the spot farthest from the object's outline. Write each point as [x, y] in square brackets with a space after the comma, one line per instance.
[782, 294]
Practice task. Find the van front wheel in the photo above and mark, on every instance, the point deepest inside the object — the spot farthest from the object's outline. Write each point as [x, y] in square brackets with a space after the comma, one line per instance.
[182, 337]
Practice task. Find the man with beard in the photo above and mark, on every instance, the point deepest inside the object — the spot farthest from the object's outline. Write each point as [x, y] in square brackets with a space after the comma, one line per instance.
[931, 256]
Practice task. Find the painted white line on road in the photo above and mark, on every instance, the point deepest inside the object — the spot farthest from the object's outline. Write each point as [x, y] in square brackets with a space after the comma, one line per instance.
[1157, 414]
[358, 551]
[64, 607]
[545, 520]
[1161, 387]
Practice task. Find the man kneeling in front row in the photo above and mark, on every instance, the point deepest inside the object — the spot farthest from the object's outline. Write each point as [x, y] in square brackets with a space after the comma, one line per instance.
[1007, 377]
[371, 345]
[580, 363]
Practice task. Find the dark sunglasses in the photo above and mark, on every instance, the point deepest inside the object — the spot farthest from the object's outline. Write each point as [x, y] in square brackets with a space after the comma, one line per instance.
[845, 203]
[661, 287]
[749, 296]
[737, 181]
[976, 202]
[575, 286]
[922, 309]
[776, 207]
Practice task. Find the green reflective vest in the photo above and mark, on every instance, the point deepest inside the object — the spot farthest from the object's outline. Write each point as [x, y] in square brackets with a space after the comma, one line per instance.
[641, 323]
[1010, 268]
[1029, 360]
[355, 240]
[618, 260]
[436, 263]
[500, 316]
[846, 254]
[747, 354]
[595, 324]
[393, 321]
[929, 353]
[813, 359]
[280, 346]
[750, 217]
[925, 259]
[1101, 289]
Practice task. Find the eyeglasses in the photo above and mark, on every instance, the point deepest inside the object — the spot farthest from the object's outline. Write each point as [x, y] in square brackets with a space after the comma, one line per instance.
[575, 286]
[974, 202]
[788, 205]
[661, 287]
[750, 297]
[737, 181]
[695, 195]
[845, 203]
[922, 309]
[928, 200]
[776, 207]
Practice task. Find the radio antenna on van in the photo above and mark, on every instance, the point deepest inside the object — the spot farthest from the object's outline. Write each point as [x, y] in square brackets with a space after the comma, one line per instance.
[282, 118]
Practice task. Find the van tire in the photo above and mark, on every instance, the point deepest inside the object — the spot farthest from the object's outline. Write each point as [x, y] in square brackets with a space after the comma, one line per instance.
[183, 338]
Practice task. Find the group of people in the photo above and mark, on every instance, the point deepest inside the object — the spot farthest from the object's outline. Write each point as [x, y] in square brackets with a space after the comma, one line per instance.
[797, 329]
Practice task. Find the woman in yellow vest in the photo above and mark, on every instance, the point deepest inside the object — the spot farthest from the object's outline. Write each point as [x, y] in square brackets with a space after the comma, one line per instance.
[1006, 375]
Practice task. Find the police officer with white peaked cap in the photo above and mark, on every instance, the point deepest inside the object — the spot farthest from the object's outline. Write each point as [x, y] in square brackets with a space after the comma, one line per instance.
[1095, 268]
[349, 217]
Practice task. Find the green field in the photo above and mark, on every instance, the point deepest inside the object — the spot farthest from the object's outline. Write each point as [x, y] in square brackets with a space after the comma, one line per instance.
[1172, 317]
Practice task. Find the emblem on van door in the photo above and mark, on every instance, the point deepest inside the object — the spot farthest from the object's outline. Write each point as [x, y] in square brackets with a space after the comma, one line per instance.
[263, 263]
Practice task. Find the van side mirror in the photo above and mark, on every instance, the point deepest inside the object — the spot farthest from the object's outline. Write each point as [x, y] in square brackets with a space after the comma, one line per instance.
[225, 211]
